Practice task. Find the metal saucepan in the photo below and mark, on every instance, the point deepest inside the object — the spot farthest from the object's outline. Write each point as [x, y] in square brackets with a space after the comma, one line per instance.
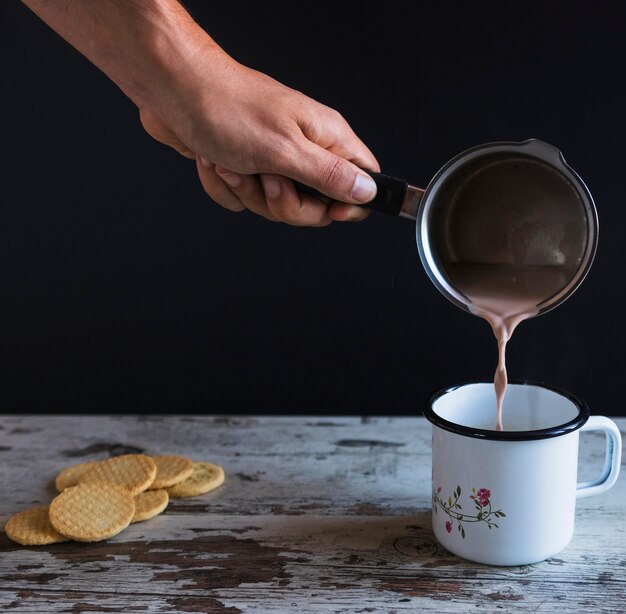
[510, 205]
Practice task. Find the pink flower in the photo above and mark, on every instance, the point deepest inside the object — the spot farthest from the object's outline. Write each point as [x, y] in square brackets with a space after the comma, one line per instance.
[483, 495]
[448, 526]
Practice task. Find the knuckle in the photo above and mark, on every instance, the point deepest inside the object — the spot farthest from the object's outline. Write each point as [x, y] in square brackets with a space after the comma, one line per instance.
[287, 212]
[337, 117]
[333, 172]
[286, 127]
[339, 126]
[288, 215]
[296, 220]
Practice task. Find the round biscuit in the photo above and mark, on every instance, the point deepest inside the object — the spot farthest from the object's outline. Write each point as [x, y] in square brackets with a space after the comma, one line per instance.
[149, 504]
[33, 528]
[205, 477]
[92, 511]
[70, 475]
[170, 470]
[135, 472]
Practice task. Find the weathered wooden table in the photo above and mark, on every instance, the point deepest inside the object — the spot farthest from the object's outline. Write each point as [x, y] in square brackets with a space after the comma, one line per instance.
[316, 515]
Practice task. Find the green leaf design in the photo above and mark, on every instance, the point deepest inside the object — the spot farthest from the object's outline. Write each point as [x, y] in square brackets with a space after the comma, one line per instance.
[483, 513]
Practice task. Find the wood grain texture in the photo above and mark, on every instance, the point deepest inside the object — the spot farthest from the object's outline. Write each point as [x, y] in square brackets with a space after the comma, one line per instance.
[316, 515]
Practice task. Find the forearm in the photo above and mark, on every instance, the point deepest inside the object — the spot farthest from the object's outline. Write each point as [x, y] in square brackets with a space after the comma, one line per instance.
[147, 47]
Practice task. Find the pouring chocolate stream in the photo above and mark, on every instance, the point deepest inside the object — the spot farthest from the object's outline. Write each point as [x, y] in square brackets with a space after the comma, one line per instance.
[506, 231]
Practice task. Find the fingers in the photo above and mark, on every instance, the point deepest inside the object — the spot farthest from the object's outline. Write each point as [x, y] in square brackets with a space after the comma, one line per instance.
[275, 198]
[292, 207]
[247, 189]
[215, 187]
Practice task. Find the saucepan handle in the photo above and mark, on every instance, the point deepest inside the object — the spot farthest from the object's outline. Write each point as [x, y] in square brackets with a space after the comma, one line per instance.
[388, 199]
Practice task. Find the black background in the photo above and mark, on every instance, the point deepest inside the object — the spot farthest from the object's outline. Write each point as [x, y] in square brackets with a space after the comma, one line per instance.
[124, 288]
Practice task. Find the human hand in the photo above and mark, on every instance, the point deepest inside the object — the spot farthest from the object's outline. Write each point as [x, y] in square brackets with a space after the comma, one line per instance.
[237, 122]
[252, 135]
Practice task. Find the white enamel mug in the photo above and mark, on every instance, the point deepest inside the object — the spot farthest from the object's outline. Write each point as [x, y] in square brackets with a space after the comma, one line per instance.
[509, 497]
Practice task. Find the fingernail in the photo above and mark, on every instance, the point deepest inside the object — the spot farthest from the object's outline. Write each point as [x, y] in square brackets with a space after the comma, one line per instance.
[271, 186]
[228, 177]
[204, 162]
[364, 189]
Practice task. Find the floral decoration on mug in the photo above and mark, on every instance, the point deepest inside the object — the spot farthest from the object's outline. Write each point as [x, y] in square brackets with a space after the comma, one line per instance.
[454, 510]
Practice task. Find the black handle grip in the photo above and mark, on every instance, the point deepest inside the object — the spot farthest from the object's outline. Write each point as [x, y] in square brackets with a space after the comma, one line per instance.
[388, 199]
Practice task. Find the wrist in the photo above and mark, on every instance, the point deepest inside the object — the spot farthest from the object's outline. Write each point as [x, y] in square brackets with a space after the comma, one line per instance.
[162, 50]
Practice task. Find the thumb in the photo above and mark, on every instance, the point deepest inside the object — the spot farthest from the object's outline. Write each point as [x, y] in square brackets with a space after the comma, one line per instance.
[331, 175]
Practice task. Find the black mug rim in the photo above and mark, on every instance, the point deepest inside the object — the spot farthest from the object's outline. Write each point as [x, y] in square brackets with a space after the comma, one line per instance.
[467, 431]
